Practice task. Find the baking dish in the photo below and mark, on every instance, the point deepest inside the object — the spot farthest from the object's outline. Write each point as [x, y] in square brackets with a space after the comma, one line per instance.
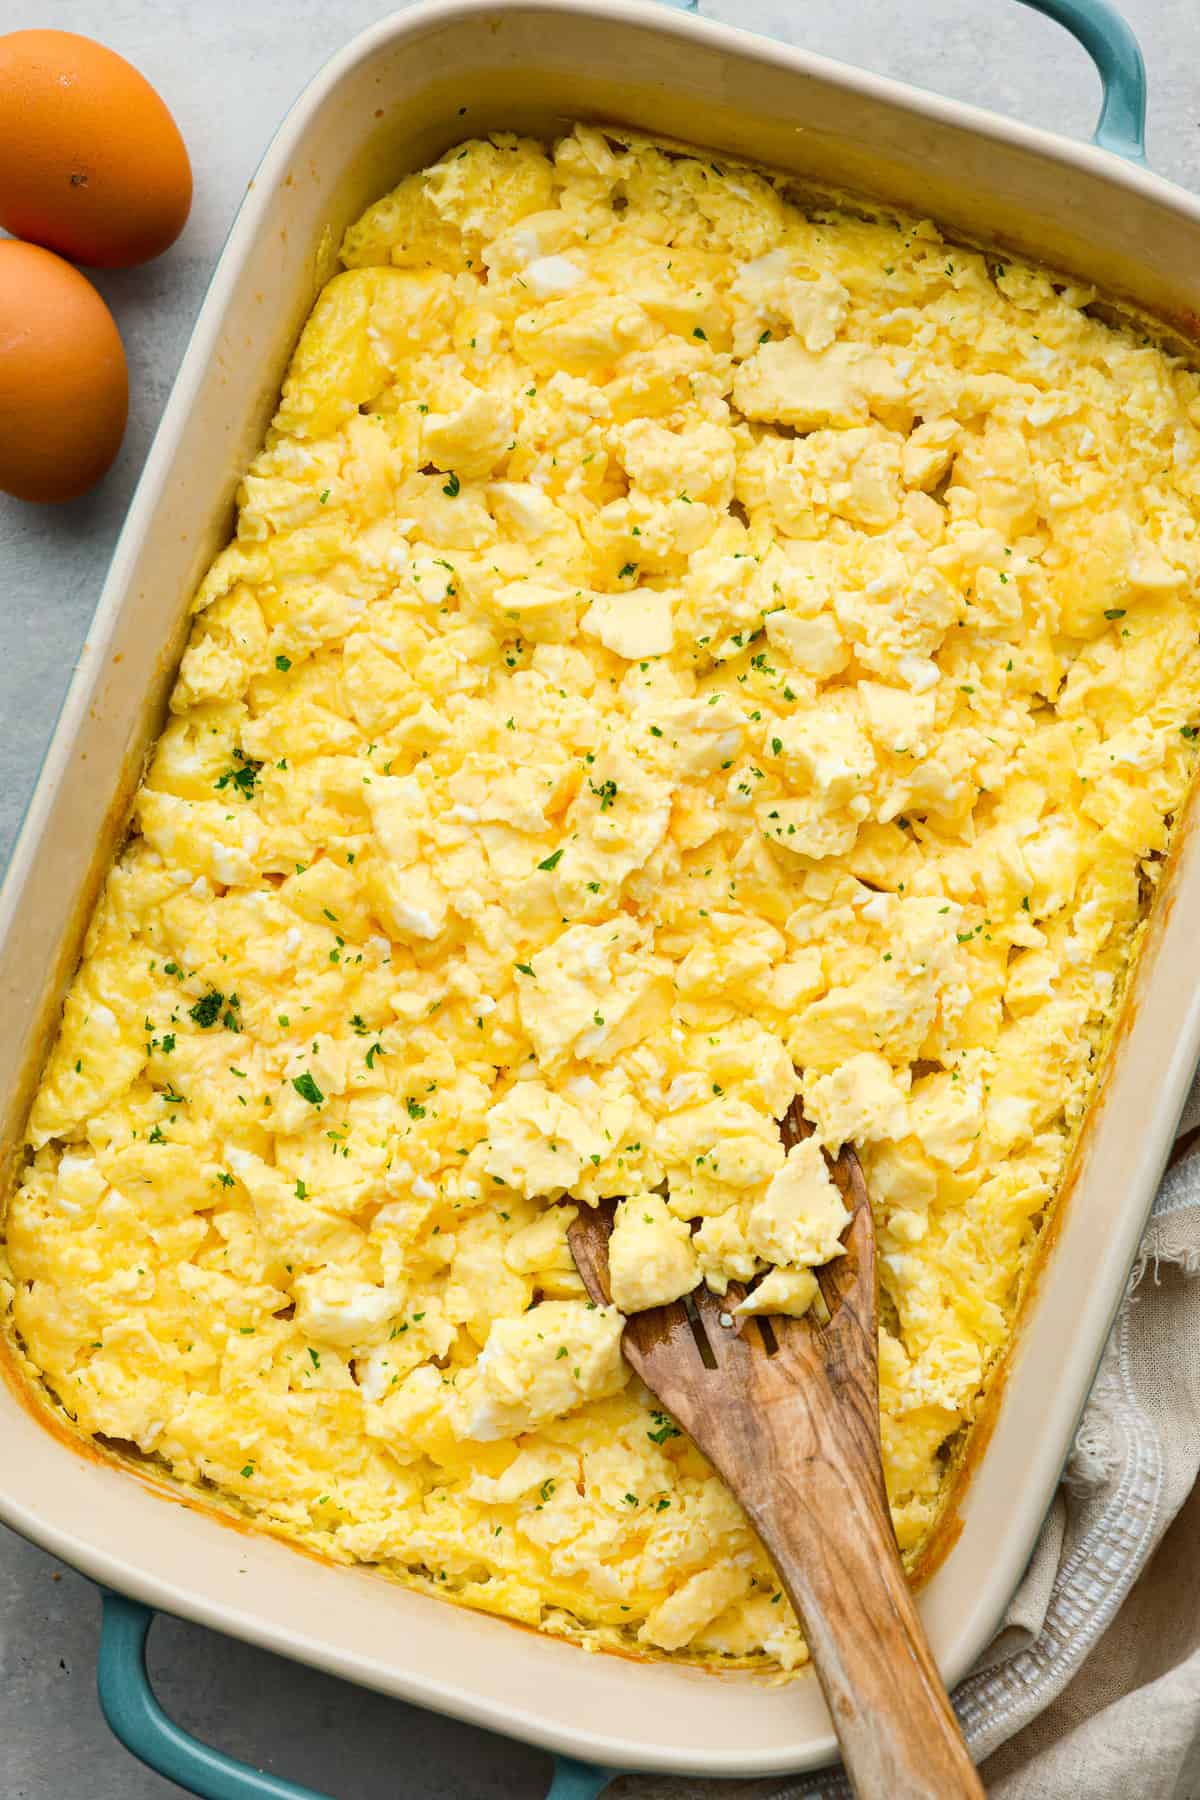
[390, 102]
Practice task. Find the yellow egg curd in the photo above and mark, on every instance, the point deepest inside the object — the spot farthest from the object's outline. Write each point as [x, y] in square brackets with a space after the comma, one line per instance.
[682, 646]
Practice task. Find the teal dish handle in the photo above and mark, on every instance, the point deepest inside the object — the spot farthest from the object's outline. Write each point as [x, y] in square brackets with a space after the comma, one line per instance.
[1110, 43]
[128, 1703]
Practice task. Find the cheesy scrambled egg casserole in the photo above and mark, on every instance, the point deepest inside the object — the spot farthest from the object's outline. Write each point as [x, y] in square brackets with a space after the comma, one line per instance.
[681, 648]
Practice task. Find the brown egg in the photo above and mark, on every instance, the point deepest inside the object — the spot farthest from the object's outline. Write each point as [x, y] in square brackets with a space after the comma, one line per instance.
[91, 162]
[64, 390]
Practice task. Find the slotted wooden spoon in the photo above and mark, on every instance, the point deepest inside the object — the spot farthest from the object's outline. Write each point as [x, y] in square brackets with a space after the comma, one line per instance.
[788, 1411]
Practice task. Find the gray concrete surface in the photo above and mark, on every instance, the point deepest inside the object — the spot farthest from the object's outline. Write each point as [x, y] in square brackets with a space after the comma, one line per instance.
[228, 69]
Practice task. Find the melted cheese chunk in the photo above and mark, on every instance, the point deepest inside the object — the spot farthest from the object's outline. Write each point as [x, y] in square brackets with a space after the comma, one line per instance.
[677, 651]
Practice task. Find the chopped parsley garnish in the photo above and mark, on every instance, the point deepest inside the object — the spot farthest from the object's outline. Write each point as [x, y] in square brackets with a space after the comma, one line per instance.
[453, 486]
[415, 1109]
[606, 793]
[307, 1088]
[552, 861]
[665, 1427]
[283, 664]
[242, 777]
[207, 1009]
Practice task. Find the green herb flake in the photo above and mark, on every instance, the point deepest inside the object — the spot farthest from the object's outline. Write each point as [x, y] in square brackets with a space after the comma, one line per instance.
[243, 777]
[207, 1009]
[665, 1427]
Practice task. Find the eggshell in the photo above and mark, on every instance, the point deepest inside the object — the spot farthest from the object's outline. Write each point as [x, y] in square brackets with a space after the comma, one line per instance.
[64, 389]
[91, 162]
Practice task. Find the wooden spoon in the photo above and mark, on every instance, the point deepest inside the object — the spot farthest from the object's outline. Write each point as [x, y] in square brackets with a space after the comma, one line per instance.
[788, 1413]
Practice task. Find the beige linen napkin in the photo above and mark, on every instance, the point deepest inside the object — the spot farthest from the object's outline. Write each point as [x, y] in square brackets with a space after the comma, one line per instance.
[1091, 1691]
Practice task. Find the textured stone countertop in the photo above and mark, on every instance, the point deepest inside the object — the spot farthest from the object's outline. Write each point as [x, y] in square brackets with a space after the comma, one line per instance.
[229, 69]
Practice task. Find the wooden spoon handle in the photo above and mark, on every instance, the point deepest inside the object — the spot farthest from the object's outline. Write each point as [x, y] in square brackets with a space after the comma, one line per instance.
[836, 1555]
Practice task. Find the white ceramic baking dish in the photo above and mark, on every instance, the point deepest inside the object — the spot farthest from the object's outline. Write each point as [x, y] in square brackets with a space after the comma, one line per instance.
[395, 98]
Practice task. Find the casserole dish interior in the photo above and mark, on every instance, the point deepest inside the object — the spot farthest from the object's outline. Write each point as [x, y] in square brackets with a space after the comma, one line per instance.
[532, 69]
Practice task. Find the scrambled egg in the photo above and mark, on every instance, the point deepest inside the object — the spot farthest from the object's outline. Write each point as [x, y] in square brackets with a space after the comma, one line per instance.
[680, 648]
